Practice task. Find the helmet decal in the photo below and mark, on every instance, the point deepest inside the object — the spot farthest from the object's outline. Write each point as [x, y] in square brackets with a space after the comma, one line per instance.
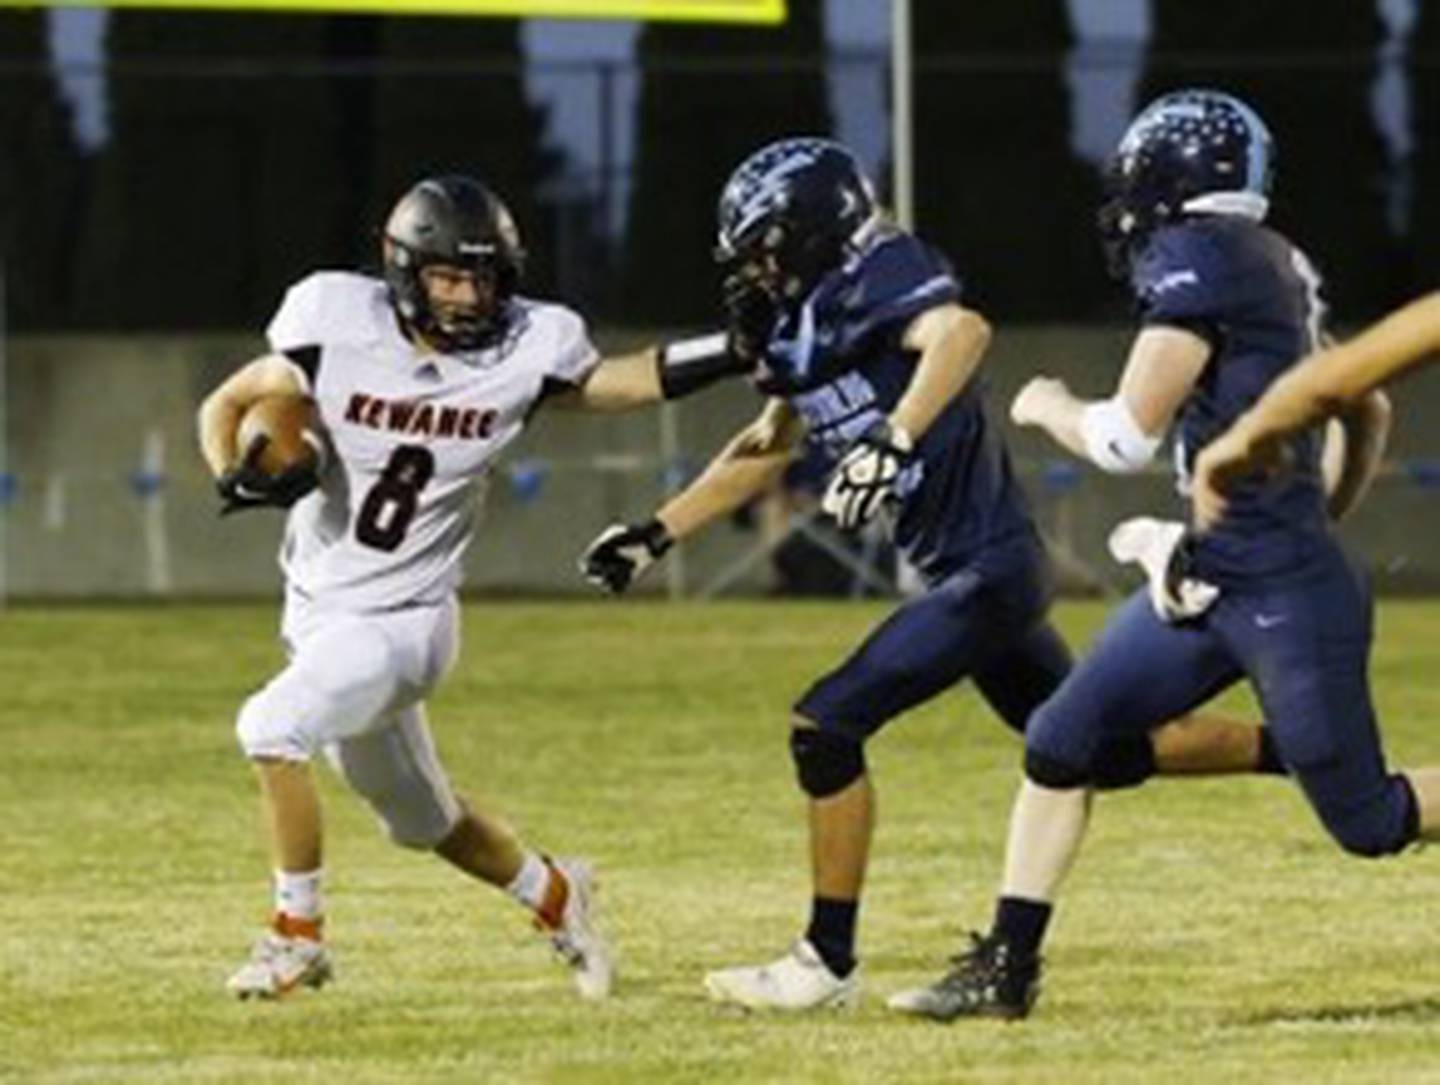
[802, 203]
[1189, 152]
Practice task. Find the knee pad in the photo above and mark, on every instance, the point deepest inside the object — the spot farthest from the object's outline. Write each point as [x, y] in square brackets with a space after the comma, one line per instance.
[1381, 827]
[262, 734]
[1123, 762]
[1048, 772]
[825, 763]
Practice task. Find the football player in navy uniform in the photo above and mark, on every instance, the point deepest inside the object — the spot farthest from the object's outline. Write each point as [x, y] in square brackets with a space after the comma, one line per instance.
[1227, 306]
[860, 342]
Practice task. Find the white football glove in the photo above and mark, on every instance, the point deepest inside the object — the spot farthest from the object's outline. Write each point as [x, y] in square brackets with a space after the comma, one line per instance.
[864, 480]
[622, 552]
[1155, 545]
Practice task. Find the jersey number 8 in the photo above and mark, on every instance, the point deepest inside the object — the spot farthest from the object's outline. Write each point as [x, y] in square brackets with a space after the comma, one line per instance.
[391, 503]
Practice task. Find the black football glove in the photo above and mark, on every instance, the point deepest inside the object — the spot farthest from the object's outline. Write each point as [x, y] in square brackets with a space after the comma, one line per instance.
[750, 314]
[864, 480]
[622, 552]
[245, 486]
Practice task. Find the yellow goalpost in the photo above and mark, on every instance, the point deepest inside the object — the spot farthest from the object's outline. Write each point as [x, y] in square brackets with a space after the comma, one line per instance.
[703, 11]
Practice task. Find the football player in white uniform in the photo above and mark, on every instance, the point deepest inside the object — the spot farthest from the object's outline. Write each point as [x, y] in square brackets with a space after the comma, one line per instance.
[420, 379]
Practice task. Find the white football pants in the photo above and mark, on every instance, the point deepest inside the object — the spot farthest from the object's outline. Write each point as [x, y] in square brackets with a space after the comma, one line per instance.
[354, 688]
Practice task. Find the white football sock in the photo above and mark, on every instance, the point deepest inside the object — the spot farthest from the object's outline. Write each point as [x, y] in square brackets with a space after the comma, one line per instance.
[528, 886]
[1046, 828]
[298, 895]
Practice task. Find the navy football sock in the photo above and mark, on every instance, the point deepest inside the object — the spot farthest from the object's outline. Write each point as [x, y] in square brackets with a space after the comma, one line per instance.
[832, 933]
[1022, 923]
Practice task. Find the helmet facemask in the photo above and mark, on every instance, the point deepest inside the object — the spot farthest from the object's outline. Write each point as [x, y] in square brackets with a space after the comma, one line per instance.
[779, 262]
[1126, 217]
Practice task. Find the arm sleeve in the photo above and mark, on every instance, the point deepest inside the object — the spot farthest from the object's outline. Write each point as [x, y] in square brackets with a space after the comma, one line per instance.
[1179, 286]
[575, 356]
[294, 331]
[903, 279]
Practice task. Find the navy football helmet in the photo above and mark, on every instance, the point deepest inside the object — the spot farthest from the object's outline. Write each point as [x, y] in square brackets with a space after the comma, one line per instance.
[457, 222]
[790, 213]
[1188, 152]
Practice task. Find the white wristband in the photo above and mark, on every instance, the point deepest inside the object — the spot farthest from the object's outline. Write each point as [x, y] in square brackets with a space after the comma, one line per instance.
[1113, 439]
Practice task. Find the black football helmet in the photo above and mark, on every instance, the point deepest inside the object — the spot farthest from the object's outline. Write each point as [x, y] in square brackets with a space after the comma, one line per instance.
[459, 222]
[790, 213]
[1189, 152]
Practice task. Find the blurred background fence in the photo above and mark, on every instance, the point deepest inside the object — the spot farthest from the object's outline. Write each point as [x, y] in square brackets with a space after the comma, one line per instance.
[105, 494]
[164, 176]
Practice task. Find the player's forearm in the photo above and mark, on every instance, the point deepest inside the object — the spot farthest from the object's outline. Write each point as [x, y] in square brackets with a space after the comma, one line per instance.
[1367, 429]
[219, 417]
[1298, 399]
[1343, 374]
[621, 383]
[726, 485]
[672, 370]
[1388, 349]
[944, 368]
[1120, 435]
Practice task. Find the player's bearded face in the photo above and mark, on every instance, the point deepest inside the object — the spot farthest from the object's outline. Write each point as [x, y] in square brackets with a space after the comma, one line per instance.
[460, 299]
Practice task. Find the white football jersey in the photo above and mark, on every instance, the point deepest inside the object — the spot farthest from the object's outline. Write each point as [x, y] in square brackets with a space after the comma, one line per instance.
[410, 430]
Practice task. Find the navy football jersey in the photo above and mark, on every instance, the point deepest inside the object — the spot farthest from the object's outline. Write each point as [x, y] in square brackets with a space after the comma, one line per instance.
[1255, 297]
[838, 359]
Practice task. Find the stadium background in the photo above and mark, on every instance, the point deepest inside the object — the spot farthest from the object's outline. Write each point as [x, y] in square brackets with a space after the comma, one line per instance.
[164, 176]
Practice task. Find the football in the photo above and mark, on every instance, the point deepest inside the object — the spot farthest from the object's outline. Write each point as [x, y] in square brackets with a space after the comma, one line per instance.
[293, 426]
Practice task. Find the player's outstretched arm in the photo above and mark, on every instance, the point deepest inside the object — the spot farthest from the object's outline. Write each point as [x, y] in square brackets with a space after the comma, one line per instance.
[1341, 375]
[682, 367]
[618, 383]
[219, 416]
[750, 463]
[1315, 387]
[669, 371]
[1121, 434]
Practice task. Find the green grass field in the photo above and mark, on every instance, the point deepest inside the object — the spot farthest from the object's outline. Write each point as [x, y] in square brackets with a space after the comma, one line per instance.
[1210, 933]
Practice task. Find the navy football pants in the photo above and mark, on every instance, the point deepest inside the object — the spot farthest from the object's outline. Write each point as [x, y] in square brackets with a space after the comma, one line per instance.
[988, 622]
[1304, 647]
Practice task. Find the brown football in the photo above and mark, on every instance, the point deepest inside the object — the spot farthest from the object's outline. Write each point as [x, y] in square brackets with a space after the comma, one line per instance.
[285, 420]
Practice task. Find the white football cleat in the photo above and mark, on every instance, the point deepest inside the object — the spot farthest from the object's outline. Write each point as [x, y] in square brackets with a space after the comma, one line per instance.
[798, 981]
[577, 938]
[279, 964]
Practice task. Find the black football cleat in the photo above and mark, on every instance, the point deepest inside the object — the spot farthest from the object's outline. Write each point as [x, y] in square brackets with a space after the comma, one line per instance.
[988, 981]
